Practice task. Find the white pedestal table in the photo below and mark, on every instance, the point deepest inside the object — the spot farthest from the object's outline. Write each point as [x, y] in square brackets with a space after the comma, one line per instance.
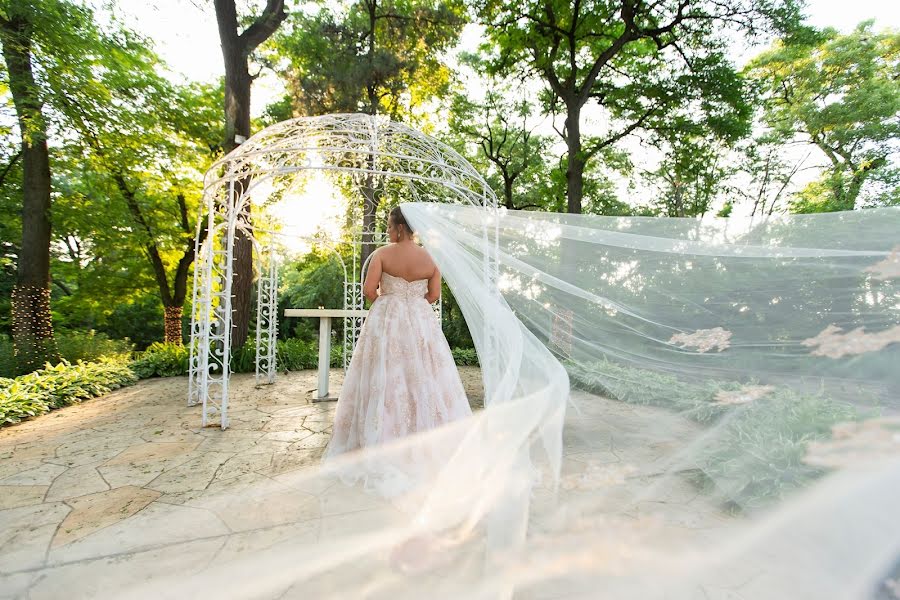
[324, 315]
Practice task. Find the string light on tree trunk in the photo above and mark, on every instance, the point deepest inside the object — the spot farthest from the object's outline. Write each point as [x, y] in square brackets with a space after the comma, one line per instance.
[32, 328]
[173, 324]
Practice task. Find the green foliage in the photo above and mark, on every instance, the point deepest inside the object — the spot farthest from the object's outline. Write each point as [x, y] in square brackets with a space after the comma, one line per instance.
[7, 359]
[58, 386]
[757, 457]
[465, 357]
[290, 355]
[600, 55]
[453, 322]
[689, 178]
[17, 404]
[78, 346]
[754, 453]
[10, 223]
[726, 209]
[128, 151]
[162, 360]
[371, 56]
[316, 280]
[841, 95]
[170, 360]
[296, 355]
[495, 136]
[74, 346]
[639, 386]
[140, 320]
[763, 173]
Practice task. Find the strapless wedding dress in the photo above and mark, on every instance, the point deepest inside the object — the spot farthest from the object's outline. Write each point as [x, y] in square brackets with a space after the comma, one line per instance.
[402, 378]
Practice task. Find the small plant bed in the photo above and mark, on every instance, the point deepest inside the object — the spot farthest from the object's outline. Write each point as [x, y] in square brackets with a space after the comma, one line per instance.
[62, 385]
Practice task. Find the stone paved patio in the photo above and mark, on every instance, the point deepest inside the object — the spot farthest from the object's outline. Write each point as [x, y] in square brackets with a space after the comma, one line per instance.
[114, 481]
[69, 479]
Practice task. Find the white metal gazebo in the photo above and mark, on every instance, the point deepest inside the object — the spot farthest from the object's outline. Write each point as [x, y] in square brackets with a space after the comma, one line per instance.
[360, 150]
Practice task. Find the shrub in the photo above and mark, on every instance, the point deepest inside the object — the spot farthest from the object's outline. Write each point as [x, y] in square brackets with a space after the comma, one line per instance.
[168, 360]
[88, 346]
[295, 355]
[73, 346]
[162, 360]
[7, 360]
[757, 455]
[139, 320]
[650, 388]
[61, 385]
[465, 357]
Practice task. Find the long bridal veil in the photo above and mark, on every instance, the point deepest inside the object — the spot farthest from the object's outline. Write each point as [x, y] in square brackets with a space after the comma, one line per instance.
[675, 408]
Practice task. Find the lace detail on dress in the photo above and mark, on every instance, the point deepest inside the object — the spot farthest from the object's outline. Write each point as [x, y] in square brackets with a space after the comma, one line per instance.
[402, 378]
[397, 286]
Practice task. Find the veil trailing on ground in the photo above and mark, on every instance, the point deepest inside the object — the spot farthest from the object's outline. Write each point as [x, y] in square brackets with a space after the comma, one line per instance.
[675, 408]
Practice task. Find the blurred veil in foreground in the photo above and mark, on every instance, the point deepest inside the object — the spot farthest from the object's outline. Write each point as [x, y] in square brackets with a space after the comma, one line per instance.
[675, 408]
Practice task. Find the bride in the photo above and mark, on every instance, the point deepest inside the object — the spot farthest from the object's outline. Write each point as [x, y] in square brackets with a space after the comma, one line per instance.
[402, 378]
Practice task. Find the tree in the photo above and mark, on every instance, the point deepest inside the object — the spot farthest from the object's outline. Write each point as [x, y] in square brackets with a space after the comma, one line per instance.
[763, 175]
[162, 204]
[10, 221]
[841, 95]
[148, 157]
[21, 28]
[505, 141]
[689, 178]
[377, 57]
[237, 46]
[635, 60]
[131, 136]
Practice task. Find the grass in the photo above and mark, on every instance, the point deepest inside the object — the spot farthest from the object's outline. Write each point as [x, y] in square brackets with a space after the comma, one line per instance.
[754, 453]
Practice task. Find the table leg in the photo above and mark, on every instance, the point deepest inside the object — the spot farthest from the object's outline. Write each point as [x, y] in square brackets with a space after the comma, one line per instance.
[324, 356]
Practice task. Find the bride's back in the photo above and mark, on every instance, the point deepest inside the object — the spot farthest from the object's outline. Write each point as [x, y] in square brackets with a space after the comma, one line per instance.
[406, 260]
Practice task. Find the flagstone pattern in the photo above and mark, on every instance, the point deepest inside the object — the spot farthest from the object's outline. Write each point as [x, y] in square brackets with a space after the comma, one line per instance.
[80, 478]
[129, 483]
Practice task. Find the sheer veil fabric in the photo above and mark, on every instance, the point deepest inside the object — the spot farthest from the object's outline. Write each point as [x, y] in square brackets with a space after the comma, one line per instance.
[675, 408]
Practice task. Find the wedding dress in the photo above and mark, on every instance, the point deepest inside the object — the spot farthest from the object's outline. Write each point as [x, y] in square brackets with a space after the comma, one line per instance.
[402, 378]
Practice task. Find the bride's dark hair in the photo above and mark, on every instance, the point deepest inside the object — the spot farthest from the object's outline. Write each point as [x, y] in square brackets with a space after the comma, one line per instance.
[396, 215]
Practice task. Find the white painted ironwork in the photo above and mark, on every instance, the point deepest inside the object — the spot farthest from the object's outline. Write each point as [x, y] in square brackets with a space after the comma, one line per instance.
[402, 163]
[267, 317]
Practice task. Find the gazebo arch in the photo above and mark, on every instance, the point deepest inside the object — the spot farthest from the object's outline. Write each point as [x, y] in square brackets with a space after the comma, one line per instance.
[365, 152]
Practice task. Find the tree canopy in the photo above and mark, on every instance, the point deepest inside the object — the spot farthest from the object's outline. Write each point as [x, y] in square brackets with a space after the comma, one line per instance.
[610, 107]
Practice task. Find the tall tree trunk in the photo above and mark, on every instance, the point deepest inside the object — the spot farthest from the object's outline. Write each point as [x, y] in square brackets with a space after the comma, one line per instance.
[574, 161]
[173, 303]
[858, 178]
[236, 49]
[370, 198]
[677, 209]
[508, 192]
[32, 320]
[370, 210]
[237, 129]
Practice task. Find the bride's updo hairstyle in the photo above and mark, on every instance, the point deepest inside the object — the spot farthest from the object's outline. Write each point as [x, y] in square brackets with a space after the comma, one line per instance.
[396, 217]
